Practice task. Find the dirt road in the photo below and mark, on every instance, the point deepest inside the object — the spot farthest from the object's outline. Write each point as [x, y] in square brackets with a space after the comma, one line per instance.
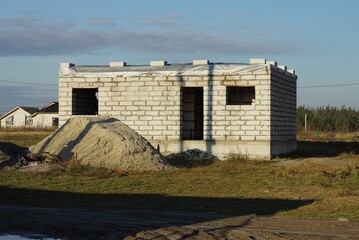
[75, 223]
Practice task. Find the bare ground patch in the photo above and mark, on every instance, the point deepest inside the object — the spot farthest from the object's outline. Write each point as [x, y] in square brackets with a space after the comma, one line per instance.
[75, 223]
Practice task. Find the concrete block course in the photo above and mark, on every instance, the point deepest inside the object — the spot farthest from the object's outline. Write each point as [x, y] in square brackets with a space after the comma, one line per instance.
[200, 62]
[158, 63]
[180, 105]
[118, 64]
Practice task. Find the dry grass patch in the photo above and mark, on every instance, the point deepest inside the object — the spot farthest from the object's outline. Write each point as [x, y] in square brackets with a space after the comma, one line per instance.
[225, 185]
[23, 138]
[315, 187]
[328, 136]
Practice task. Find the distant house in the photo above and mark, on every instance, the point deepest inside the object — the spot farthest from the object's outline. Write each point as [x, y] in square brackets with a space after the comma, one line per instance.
[47, 116]
[17, 117]
[31, 116]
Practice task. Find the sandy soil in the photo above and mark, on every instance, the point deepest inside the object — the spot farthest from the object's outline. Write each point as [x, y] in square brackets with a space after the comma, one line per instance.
[102, 142]
[75, 223]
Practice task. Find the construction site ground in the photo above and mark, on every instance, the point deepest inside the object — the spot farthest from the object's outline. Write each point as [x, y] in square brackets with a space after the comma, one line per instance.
[80, 223]
[309, 195]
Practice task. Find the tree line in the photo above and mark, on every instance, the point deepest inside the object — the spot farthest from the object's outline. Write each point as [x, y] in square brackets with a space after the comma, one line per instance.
[328, 119]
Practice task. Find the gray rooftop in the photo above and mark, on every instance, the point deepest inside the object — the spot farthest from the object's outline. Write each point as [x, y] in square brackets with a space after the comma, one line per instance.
[169, 67]
[162, 68]
[168, 70]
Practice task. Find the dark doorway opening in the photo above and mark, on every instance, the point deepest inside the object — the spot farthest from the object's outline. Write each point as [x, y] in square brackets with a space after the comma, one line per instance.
[192, 113]
[84, 101]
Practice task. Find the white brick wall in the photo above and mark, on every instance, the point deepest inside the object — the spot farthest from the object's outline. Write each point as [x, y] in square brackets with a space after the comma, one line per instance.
[134, 99]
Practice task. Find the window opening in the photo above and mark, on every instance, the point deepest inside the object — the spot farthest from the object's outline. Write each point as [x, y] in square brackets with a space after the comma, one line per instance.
[29, 120]
[84, 101]
[10, 121]
[240, 95]
[55, 121]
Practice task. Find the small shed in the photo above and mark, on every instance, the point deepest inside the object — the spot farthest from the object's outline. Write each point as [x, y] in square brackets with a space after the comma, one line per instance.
[247, 108]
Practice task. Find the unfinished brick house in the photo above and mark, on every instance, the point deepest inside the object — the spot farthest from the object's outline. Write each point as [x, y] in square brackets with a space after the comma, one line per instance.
[216, 107]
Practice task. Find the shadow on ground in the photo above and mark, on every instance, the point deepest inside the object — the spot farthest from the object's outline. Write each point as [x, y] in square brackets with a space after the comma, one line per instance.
[307, 149]
[94, 216]
[9, 154]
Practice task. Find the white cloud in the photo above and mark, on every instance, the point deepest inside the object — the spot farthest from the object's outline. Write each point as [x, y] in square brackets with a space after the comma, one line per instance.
[31, 36]
[162, 21]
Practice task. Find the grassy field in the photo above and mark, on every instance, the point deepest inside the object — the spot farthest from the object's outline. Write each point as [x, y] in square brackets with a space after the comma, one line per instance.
[23, 138]
[309, 189]
[327, 136]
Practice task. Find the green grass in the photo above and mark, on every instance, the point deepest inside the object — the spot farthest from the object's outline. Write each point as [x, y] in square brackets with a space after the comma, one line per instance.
[236, 186]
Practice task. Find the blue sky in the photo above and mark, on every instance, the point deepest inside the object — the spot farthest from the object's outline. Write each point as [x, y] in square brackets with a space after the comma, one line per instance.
[319, 39]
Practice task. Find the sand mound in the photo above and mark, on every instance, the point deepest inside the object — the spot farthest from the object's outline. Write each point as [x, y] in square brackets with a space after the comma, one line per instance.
[102, 142]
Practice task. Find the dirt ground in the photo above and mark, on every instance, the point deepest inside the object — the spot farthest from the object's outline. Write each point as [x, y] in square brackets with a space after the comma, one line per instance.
[90, 223]
[75, 223]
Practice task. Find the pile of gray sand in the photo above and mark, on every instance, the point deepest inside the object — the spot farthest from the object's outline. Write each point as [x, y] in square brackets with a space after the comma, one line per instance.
[102, 142]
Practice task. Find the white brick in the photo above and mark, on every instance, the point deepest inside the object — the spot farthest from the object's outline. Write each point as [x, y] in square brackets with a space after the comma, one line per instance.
[232, 138]
[146, 127]
[66, 65]
[247, 117]
[176, 128]
[200, 62]
[154, 93]
[238, 133]
[232, 128]
[105, 108]
[252, 133]
[155, 133]
[173, 137]
[111, 103]
[257, 61]
[158, 63]
[152, 113]
[132, 108]
[169, 132]
[248, 77]
[118, 64]
[63, 94]
[233, 77]
[160, 127]
[110, 84]
[245, 127]
[91, 79]
[65, 79]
